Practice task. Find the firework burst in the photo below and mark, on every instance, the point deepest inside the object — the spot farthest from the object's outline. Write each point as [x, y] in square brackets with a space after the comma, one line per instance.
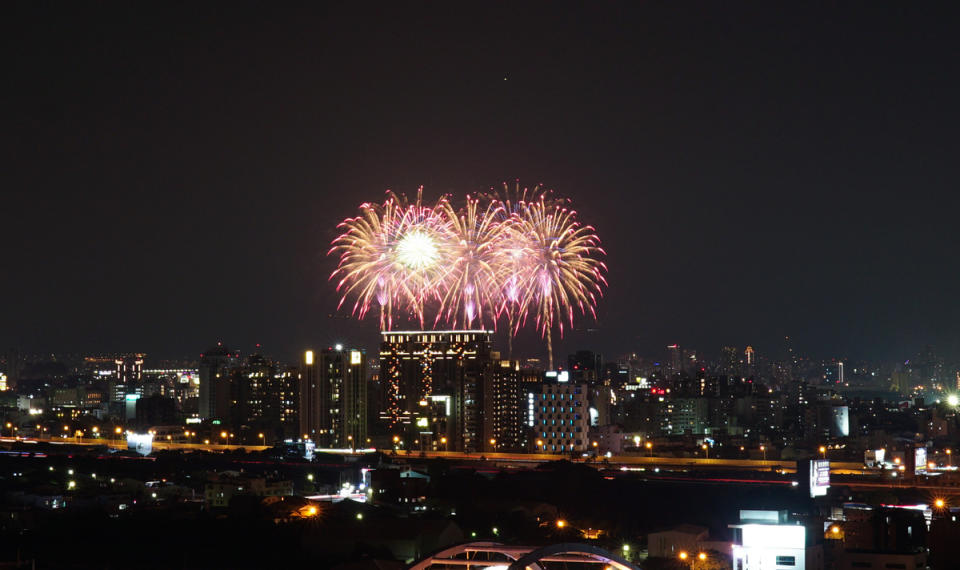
[559, 267]
[508, 255]
[477, 242]
[390, 256]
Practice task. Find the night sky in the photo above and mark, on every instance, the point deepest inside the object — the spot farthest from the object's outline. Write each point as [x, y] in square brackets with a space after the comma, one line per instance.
[173, 174]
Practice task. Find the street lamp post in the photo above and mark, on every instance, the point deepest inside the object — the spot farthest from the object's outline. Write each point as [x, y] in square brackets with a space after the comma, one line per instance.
[649, 446]
[763, 448]
[706, 451]
[823, 451]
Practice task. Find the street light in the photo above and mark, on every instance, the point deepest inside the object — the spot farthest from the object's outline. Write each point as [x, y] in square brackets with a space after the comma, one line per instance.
[823, 451]
[263, 439]
[649, 446]
[949, 459]
[561, 523]
[683, 555]
[706, 450]
[763, 448]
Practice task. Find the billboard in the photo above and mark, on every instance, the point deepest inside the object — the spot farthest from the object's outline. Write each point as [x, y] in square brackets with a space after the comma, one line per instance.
[920, 460]
[819, 477]
[142, 443]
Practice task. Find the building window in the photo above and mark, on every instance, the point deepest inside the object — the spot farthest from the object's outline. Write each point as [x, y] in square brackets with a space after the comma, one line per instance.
[786, 561]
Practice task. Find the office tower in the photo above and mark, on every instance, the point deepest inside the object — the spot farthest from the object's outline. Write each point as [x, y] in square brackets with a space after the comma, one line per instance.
[216, 371]
[435, 384]
[333, 397]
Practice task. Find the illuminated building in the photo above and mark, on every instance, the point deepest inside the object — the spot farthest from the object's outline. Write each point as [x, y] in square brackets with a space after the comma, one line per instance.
[129, 369]
[562, 418]
[216, 371]
[506, 406]
[436, 386]
[266, 398]
[333, 397]
[765, 539]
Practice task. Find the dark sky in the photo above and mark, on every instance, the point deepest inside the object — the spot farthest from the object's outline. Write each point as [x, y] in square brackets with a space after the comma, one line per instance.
[172, 174]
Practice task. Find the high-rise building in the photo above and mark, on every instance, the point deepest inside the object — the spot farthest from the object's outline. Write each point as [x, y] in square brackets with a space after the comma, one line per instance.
[333, 397]
[585, 366]
[673, 356]
[730, 361]
[561, 418]
[216, 371]
[266, 398]
[506, 405]
[435, 387]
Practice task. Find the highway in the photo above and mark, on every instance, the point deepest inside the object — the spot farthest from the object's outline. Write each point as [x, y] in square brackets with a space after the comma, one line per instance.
[519, 459]
[696, 470]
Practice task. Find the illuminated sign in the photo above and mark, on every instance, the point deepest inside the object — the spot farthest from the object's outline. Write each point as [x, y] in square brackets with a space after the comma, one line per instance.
[563, 376]
[142, 443]
[422, 422]
[819, 477]
[355, 357]
[920, 459]
[132, 397]
[308, 357]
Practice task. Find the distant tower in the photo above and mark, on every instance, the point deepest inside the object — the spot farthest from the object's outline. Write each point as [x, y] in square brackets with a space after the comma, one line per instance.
[750, 360]
[731, 361]
[840, 372]
[216, 369]
[673, 351]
